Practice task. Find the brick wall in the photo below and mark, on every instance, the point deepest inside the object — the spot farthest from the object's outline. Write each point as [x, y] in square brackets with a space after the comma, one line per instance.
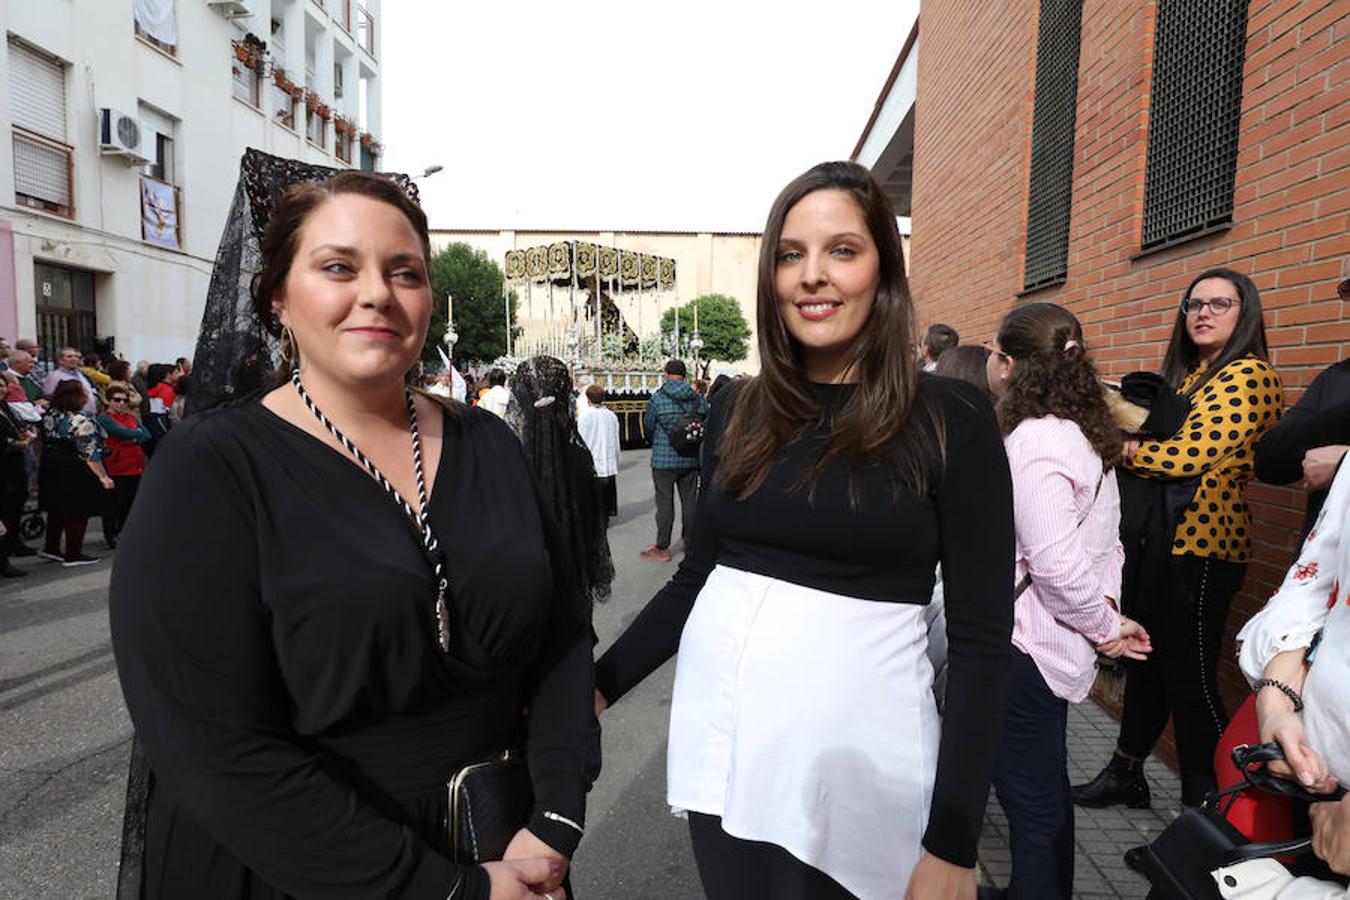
[1291, 222]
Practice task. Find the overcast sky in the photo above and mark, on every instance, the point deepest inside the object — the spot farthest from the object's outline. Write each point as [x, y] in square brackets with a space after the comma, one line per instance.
[627, 115]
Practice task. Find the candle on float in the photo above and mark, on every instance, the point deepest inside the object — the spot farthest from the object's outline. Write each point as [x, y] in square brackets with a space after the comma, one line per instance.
[449, 308]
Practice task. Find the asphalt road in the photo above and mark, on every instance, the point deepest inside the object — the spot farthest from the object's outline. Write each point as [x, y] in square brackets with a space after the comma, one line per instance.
[64, 735]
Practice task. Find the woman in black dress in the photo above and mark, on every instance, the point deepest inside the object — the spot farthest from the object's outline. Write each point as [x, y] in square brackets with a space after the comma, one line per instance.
[72, 483]
[805, 743]
[300, 688]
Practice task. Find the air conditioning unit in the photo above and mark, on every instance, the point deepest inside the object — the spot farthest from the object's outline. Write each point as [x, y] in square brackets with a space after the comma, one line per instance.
[120, 134]
[232, 9]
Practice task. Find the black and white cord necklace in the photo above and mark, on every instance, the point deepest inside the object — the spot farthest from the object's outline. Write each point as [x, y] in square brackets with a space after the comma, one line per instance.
[430, 545]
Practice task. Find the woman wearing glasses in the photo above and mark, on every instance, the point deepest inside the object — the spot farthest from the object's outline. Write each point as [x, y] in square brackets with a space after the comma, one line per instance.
[125, 459]
[1186, 578]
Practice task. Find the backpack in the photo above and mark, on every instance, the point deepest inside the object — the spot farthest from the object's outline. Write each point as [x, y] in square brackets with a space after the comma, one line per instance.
[686, 435]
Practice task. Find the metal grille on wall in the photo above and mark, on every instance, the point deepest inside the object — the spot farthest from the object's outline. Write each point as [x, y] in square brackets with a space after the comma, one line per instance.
[1050, 194]
[1195, 112]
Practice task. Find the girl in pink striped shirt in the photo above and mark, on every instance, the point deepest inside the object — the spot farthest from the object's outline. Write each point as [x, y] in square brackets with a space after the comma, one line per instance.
[1062, 444]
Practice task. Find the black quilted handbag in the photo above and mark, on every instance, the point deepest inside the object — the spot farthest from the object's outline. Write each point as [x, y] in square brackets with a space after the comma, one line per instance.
[489, 802]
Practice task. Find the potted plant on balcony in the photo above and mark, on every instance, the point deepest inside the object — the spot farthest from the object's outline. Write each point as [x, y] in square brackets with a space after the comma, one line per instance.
[368, 141]
[283, 82]
[249, 50]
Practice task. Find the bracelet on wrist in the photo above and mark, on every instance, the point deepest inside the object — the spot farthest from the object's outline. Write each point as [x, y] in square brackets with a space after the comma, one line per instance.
[1283, 688]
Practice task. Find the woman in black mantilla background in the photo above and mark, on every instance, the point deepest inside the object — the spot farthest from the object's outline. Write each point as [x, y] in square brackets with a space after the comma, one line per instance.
[543, 413]
[300, 693]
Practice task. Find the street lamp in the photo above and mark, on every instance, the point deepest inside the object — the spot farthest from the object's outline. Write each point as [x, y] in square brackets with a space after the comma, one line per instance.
[451, 336]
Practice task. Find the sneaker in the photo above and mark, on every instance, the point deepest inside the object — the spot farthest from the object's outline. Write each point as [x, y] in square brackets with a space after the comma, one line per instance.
[49, 555]
[656, 554]
[80, 560]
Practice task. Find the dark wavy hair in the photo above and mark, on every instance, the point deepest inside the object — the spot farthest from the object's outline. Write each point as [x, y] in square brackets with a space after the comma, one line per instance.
[1248, 338]
[777, 405]
[69, 395]
[1054, 376]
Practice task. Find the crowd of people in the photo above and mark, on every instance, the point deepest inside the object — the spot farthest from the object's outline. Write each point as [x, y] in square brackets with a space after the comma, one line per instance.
[317, 660]
[78, 431]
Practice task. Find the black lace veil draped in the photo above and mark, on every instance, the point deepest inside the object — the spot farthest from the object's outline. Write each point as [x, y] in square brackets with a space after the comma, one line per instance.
[542, 411]
[236, 351]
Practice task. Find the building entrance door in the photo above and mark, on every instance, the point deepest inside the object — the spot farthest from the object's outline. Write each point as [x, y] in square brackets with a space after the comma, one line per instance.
[65, 309]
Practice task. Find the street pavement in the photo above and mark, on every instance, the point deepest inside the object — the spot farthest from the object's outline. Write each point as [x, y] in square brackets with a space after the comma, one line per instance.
[65, 736]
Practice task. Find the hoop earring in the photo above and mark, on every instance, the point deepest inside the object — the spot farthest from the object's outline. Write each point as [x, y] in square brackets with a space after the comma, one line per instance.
[289, 349]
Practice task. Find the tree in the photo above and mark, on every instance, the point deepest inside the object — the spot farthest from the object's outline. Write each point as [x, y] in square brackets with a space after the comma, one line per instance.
[720, 324]
[475, 281]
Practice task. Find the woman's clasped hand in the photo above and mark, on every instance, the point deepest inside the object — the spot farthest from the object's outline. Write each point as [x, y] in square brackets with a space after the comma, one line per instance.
[526, 879]
[1132, 643]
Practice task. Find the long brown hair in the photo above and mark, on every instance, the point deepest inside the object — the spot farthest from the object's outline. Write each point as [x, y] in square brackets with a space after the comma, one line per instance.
[1054, 376]
[777, 406]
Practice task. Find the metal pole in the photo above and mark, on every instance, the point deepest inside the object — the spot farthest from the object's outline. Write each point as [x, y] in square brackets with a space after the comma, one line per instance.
[677, 327]
[572, 288]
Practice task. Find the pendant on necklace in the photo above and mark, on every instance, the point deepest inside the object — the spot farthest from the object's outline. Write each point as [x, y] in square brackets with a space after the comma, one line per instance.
[443, 621]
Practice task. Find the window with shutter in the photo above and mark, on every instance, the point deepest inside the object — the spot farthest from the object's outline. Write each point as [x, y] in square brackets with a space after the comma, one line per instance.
[1050, 193]
[42, 158]
[37, 91]
[1194, 115]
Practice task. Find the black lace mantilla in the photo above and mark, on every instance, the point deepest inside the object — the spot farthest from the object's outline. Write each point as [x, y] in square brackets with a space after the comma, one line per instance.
[542, 411]
[237, 352]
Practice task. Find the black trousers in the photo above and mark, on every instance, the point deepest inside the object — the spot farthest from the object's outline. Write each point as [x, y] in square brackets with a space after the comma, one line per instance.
[13, 492]
[1031, 778]
[1186, 621]
[666, 481]
[118, 507]
[735, 869]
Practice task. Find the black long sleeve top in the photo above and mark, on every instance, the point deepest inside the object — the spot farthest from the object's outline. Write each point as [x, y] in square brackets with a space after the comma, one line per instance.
[883, 550]
[1320, 417]
[273, 620]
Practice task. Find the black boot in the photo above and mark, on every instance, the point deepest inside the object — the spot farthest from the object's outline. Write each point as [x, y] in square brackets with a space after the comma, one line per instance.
[1121, 782]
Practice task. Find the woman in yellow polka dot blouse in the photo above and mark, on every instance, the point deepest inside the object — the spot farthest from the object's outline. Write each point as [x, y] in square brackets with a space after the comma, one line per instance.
[1216, 358]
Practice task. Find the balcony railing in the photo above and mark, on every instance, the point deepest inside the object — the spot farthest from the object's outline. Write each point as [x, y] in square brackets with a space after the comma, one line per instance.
[365, 29]
[344, 14]
[161, 204]
[43, 172]
[247, 84]
[314, 128]
[283, 107]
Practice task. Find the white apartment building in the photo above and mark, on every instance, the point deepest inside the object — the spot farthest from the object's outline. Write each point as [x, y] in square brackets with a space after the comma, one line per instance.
[127, 120]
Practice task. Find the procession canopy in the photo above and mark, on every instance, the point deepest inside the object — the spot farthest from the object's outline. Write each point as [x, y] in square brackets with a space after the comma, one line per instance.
[560, 262]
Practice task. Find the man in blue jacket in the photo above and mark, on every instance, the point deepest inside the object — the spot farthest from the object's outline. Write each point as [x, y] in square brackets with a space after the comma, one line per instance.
[670, 471]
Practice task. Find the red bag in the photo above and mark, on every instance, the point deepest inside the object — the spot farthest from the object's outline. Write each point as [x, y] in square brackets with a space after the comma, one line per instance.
[1262, 817]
